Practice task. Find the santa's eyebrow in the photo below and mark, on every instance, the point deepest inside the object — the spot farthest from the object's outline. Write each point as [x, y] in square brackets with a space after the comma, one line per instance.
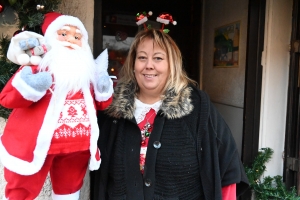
[65, 28]
[78, 31]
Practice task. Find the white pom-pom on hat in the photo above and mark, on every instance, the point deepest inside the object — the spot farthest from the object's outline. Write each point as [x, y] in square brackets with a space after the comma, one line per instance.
[166, 18]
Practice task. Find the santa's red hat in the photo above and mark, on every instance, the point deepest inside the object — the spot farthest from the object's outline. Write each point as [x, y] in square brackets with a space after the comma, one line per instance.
[54, 21]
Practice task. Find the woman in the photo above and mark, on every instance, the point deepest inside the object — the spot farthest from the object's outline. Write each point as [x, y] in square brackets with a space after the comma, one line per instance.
[162, 137]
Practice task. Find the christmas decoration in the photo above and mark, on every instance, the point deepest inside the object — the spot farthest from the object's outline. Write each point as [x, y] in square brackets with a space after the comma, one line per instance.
[29, 19]
[38, 50]
[268, 187]
[40, 7]
[121, 36]
[12, 2]
[2, 6]
[31, 12]
[17, 32]
[28, 43]
[45, 100]
[142, 17]
[165, 19]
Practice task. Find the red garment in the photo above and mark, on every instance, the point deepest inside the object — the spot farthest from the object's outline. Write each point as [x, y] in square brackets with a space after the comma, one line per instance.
[73, 129]
[34, 119]
[30, 186]
[150, 116]
[229, 192]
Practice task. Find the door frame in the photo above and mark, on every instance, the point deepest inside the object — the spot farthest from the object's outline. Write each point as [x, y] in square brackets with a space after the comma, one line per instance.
[97, 40]
[253, 80]
[291, 173]
[253, 83]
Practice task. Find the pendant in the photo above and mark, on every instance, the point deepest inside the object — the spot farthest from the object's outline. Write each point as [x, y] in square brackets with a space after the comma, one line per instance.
[145, 133]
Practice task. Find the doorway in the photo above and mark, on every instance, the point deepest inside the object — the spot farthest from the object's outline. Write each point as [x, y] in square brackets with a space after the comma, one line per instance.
[186, 33]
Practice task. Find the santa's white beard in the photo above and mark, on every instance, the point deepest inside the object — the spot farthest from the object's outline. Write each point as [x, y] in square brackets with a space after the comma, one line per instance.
[72, 69]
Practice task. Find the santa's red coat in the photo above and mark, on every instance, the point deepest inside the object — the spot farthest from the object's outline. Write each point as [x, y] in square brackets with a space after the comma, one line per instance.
[28, 132]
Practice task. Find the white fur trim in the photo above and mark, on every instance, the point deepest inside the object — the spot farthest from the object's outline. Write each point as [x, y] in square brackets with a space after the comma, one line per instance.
[25, 90]
[14, 50]
[60, 22]
[89, 102]
[4, 198]
[142, 21]
[104, 96]
[43, 141]
[164, 21]
[73, 196]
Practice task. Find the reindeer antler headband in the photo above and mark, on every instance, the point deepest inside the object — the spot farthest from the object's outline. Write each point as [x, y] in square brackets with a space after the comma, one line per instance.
[164, 18]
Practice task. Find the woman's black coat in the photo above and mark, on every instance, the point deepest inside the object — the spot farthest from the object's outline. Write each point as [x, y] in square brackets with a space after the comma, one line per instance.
[189, 113]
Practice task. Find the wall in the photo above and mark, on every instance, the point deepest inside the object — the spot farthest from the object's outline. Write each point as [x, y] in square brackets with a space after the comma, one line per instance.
[234, 119]
[84, 10]
[225, 86]
[275, 63]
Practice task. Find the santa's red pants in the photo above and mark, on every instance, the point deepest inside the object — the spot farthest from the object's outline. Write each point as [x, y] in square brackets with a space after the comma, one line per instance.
[67, 172]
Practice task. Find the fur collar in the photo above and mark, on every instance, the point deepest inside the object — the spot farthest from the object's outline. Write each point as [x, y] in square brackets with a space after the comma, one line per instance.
[173, 105]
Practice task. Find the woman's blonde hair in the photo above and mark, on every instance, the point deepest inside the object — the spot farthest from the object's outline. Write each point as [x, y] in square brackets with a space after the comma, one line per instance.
[177, 79]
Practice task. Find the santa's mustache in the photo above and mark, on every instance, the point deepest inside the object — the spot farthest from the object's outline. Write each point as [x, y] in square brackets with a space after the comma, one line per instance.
[68, 44]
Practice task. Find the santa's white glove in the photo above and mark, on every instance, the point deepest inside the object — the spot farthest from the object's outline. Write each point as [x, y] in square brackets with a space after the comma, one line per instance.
[103, 83]
[40, 81]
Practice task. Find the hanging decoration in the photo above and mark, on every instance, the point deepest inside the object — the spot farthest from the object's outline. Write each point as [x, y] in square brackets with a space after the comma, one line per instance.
[30, 14]
[2, 6]
[40, 7]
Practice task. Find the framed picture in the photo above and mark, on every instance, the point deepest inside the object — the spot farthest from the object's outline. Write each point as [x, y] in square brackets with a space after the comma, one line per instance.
[226, 45]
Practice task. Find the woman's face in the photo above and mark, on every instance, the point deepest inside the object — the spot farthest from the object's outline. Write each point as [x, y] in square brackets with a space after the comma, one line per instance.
[151, 68]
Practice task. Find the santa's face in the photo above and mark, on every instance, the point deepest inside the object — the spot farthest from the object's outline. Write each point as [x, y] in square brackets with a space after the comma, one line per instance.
[70, 34]
[70, 61]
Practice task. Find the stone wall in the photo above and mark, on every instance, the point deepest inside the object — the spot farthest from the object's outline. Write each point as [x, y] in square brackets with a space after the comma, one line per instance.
[84, 10]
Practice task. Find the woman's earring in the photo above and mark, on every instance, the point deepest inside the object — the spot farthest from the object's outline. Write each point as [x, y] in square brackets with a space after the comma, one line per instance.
[133, 71]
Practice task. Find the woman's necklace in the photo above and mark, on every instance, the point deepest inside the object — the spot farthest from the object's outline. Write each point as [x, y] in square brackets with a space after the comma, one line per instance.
[147, 129]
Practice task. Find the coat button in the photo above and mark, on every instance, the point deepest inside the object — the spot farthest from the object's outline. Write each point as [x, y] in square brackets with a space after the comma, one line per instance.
[115, 121]
[148, 182]
[157, 144]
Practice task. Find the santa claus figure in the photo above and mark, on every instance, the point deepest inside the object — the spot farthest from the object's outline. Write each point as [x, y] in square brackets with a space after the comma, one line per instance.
[53, 126]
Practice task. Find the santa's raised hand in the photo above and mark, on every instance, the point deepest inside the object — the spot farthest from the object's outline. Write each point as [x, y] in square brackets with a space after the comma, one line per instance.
[104, 84]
